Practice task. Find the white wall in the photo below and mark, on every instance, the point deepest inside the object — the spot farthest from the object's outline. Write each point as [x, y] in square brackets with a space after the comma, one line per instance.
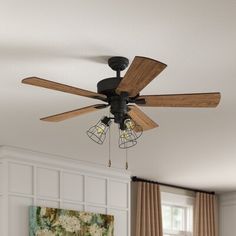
[228, 214]
[30, 178]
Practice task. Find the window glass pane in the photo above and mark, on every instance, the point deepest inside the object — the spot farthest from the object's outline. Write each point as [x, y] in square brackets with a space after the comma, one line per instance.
[178, 219]
[166, 215]
[177, 215]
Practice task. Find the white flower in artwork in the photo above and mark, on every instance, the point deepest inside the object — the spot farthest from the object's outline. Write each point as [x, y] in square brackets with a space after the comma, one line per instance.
[95, 230]
[69, 223]
[85, 217]
[42, 211]
[44, 232]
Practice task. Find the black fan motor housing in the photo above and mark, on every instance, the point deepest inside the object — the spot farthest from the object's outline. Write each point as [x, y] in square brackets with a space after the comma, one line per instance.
[118, 102]
[108, 86]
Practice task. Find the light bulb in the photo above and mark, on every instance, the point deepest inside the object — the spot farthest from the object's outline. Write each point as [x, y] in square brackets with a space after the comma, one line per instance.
[101, 128]
[126, 139]
[129, 133]
[130, 125]
[125, 135]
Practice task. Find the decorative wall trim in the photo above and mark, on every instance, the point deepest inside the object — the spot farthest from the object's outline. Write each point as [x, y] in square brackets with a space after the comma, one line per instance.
[25, 155]
[32, 178]
[228, 199]
[227, 212]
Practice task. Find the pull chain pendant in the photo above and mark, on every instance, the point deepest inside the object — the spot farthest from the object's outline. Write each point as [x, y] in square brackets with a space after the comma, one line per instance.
[109, 143]
[126, 157]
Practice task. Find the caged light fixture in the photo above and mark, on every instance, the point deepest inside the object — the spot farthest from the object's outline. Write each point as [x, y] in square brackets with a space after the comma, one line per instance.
[129, 132]
[98, 132]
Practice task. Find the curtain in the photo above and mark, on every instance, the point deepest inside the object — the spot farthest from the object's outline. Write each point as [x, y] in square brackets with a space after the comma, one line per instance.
[148, 211]
[205, 215]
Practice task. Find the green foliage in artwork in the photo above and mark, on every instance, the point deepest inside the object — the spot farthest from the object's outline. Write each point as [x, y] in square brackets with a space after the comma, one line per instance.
[46, 221]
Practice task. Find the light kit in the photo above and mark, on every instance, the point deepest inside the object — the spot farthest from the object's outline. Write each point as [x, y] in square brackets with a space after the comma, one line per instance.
[129, 132]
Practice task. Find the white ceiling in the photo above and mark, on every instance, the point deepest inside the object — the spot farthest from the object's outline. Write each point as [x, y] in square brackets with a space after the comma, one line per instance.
[69, 41]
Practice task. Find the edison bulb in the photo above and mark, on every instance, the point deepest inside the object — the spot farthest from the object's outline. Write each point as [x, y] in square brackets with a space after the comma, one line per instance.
[125, 135]
[130, 125]
[101, 128]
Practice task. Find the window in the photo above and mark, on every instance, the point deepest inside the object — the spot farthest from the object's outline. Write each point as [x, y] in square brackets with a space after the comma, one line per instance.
[177, 214]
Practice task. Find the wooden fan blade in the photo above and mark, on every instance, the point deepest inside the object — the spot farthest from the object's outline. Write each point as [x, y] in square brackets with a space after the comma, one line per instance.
[140, 73]
[62, 87]
[74, 113]
[180, 100]
[140, 118]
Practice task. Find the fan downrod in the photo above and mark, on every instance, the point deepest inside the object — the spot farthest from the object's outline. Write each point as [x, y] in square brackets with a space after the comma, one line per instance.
[109, 85]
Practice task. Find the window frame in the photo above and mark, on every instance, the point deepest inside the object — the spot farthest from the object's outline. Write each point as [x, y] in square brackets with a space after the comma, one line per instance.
[180, 201]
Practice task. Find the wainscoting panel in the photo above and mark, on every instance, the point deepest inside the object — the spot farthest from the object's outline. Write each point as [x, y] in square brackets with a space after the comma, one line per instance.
[1, 178]
[29, 178]
[19, 215]
[72, 192]
[101, 210]
[47, 203]
[48, 183]
[228, 214]
[98, 186]
[118, 192]
[121, 217]
[1, 215]
[20, 178]
[72, 206]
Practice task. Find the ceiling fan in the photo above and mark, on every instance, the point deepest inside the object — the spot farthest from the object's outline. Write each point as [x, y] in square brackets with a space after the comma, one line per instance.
[122, 93]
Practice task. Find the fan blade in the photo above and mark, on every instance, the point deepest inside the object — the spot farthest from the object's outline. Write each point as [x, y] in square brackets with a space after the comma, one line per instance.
[71, 114]
[140, 118]
[140, 73]
[63, 88]
[180, 100]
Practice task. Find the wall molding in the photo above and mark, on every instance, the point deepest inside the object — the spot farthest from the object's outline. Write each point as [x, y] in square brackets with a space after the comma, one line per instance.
[227, 210]
[35, 178]
[228, 199]
[25, 155]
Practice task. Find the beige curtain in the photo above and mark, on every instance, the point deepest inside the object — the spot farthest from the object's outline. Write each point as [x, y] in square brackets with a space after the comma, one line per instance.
[205, 216]
[148, 211]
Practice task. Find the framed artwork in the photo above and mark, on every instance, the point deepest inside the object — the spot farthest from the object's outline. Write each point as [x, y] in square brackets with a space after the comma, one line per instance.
[46, 221]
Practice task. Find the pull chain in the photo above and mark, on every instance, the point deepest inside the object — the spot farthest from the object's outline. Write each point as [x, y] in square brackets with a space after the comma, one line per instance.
[109, 145]
[126, 157]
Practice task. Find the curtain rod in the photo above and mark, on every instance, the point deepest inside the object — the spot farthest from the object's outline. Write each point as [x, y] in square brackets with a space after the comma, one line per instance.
[137, 179]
